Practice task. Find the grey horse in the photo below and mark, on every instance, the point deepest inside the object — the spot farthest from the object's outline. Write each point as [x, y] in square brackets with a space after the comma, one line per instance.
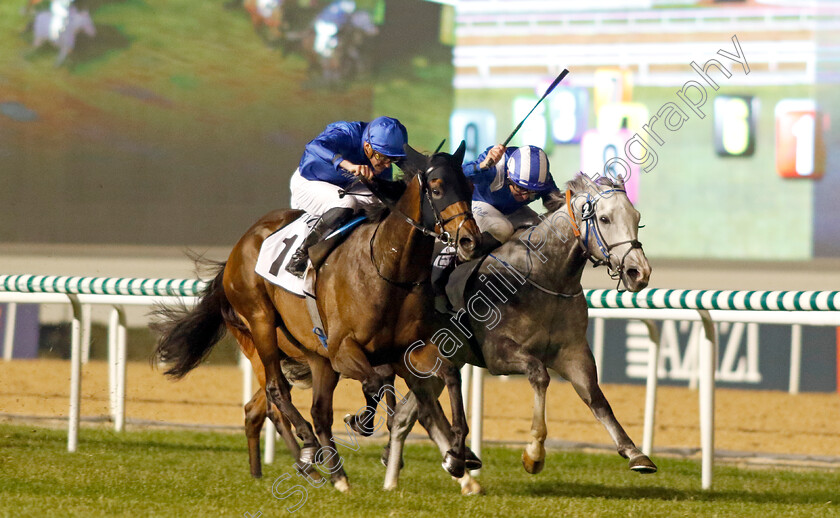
[526, 309]
[64, 38]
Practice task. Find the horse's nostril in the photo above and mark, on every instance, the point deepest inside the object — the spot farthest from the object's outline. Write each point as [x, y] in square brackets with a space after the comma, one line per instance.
[466, 243]
[633, 273]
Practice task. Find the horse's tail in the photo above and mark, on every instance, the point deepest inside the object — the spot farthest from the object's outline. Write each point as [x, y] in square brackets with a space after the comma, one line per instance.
[188, 335]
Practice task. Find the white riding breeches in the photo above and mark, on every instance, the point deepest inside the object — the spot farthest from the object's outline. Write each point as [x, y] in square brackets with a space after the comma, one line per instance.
[501, 226]
[315, 197]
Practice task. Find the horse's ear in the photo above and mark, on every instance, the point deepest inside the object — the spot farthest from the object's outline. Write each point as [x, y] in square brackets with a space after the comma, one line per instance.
[458, 156]
[554, 200]
[589, 181]
[413, 163]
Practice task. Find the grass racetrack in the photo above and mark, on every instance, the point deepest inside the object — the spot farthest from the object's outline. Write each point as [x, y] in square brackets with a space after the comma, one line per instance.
[184, 473]
[161, 472]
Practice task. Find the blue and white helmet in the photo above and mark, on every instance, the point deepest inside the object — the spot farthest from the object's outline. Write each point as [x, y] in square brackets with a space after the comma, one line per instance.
[528, 168]
[387, 136]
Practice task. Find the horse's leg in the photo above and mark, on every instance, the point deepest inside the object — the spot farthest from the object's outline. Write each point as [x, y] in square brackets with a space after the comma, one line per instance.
[278, 390]
[576, 364]
[255, 411]
[324, 380]
[65, 45]
[389, 378]
[401, 423]
[351, 361]
[422, 404]
[427, 359]
[508, 356]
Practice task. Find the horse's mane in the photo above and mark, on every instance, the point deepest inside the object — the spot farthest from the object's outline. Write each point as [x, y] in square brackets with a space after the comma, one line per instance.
[578, 183]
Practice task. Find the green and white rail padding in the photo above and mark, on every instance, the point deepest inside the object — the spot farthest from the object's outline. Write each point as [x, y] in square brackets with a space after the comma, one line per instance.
[659, 298]
[101, 285]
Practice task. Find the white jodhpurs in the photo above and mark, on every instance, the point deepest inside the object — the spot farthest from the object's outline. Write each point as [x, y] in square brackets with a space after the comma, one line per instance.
[501, 226]
[316, 198]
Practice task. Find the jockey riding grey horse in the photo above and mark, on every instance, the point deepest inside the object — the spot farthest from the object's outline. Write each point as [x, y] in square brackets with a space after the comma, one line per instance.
[526, 309]
[60, 25]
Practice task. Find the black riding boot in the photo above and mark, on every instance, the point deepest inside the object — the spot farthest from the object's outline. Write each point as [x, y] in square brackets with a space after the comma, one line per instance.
[331, 220]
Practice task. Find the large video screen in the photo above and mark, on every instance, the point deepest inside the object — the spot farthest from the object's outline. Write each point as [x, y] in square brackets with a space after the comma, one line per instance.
[180, 122]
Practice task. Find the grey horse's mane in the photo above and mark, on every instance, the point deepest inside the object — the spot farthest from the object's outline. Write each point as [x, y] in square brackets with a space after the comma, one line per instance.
[579, 183]
[555, 200]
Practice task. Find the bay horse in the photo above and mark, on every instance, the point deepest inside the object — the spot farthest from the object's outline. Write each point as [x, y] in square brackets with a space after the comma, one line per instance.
[373, 294]
[533, 283]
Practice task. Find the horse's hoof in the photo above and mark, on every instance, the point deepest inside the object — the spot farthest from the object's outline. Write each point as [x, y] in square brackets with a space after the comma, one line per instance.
[532, 466]
[642, 464]
[471, 460]
[471, 487]
[453, 465]
[353, 423]
[342, 485]
[308, 454]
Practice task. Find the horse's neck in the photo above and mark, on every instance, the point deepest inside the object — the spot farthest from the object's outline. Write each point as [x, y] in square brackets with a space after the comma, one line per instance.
[401, 250]
[564, 259]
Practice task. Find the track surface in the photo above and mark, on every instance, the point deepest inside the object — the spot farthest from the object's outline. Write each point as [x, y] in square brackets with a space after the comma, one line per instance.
[746, 421]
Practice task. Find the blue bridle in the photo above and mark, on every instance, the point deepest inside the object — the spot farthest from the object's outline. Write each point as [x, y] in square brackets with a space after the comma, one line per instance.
[589, 217]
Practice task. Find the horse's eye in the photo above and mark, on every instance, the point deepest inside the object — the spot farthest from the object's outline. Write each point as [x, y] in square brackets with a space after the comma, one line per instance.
[436, 193]
[605, 220]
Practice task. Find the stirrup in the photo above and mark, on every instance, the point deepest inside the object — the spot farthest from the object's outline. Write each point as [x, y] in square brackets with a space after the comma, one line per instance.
[297, 263]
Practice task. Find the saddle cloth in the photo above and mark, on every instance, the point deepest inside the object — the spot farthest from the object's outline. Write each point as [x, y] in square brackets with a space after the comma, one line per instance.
[278, 248]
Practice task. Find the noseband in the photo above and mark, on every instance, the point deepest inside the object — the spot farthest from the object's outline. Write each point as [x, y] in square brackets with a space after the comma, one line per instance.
[589, 216]
[440, 223]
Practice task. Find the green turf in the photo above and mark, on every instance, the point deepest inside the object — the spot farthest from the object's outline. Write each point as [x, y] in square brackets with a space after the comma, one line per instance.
[166, 473]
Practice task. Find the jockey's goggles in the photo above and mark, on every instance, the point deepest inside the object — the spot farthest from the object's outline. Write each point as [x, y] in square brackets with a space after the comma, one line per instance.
[522, 191]
[382, 158]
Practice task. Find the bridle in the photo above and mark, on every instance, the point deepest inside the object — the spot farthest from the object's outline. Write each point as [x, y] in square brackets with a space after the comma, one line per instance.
[589, 217]
[439, 221]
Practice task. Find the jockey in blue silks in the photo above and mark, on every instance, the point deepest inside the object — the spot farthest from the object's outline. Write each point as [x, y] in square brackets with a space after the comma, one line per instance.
[330, 163]
[506, 180]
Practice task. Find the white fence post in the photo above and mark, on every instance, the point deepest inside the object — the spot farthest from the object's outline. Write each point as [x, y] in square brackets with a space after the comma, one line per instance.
[466, 373]
[270, 439]
[598, 345]
[120, 368]
[795, 358]
[75, 374]
[652, 385]
[477, 413]
[113, 323]
[9, 331]
[85, 333]
[708, 359]
[247, 378]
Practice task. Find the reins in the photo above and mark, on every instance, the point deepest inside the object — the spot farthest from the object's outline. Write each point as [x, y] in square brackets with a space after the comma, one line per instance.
[533, 283]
